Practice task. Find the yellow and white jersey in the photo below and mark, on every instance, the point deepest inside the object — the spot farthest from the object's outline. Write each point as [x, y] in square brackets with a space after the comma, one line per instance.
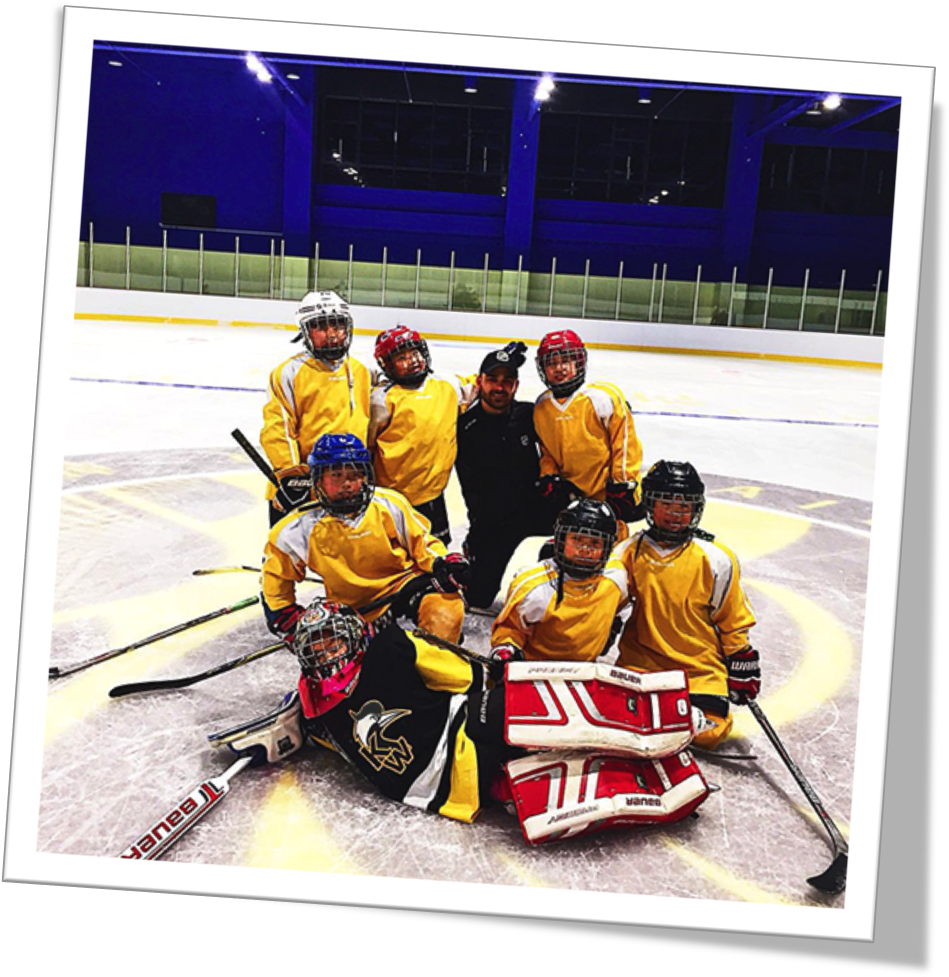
[310, 398]
[576, 629]
[690, 609]
[412, 435]
[589, 438]
[359, 559]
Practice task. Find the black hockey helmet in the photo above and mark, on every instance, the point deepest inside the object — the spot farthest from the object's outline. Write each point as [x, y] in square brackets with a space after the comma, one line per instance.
[587, 519]
[673, 481]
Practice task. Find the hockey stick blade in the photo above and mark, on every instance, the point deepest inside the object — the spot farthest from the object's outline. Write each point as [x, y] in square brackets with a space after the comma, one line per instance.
[60, 671]
[184, 815]
[834, 879]
[168, 684]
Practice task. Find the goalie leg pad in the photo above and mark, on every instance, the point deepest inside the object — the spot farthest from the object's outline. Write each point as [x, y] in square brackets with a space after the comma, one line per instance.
[592, 705]
[268, 739]
[562, 794]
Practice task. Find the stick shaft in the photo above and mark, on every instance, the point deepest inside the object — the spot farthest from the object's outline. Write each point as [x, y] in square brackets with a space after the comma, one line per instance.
[62, 670]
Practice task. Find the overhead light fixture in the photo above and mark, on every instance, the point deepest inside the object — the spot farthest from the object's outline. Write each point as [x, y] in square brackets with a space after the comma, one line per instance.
[645, 96]
[116, 64]
[815, 109]
[293, 77]
[544, 88]
[471, 84]
[832, 102]
[255, 65]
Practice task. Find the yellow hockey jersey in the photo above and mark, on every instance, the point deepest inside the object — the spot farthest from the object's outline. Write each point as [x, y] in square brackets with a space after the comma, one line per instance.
[589, 438]
[359, 559]
[412, 435]
[576, 629]
[310, 398]
[690, 610]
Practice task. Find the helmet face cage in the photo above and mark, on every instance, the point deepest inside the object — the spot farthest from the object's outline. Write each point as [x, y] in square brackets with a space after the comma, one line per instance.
[329, 636]
[325, 309]
[565, 345]
[400, 340]
[673, 481]
[340, 452]
[587, 519]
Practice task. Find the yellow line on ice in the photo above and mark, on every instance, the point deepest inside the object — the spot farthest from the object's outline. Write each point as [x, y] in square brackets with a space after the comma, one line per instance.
[288, 834]
[741, 889]
[523, 875]
[823, 504]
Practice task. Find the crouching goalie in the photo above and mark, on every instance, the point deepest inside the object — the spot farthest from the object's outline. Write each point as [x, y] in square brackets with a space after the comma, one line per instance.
[575, 747]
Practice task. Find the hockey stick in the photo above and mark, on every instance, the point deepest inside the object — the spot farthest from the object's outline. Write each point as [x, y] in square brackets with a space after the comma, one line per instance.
[410, 589]
[58, 671]
[167, 684]
[184, 815]
[209, 570]
[834, 878]
[268, 473]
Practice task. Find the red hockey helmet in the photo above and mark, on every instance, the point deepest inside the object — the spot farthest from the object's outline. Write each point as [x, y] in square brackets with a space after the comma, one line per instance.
[391, 344]
[563, 347]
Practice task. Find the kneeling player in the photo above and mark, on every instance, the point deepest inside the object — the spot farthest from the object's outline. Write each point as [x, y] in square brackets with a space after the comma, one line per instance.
[690, 609]
[419, 723]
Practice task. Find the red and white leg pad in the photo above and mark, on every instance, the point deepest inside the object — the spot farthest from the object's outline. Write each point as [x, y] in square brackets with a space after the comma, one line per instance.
[562, 794]
[592, 705]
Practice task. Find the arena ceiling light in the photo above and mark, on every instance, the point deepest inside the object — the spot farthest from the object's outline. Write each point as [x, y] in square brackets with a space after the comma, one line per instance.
[832, 101]
[471, 84]
[255, 65]
[544, 88]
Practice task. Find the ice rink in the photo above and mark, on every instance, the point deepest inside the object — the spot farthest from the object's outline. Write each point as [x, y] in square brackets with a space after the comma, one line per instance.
[154, 488]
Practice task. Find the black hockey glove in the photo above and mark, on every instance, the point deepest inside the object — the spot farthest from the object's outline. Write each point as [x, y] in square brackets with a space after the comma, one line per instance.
[516, 352]
[498, 660]
[621, 498]
[451, 573]
[295, 488]
[558, 491]
[744, 676]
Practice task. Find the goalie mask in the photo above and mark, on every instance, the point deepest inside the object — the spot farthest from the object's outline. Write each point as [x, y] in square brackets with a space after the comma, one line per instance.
[562, 362]
[403, 356]
[328, 316]
[342, 474]
[673, 484]
[330, 642]
[584, 535]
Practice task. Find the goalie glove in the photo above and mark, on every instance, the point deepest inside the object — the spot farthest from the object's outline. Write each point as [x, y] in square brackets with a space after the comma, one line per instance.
[451, 573]
[744, 676]
[295, 488]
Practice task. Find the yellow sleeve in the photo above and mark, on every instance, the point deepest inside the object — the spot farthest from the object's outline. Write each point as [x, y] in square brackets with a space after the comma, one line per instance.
[734, 618]
[281, 571]
[279, 436]
[626, 451]
[508, 628]
[440, 669]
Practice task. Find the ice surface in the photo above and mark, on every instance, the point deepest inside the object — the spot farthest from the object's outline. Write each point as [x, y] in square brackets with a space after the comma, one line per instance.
[154, 488]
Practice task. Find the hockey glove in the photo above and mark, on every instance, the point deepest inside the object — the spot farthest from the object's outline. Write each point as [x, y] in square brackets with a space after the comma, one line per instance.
[744, 676]
[295, 488]
[621, 498]
[451, 573]
[283, 622]
[558, 491]
[499, 657]
[516, 353]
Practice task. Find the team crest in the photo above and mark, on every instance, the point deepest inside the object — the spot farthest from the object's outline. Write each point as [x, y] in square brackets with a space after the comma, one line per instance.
[369, 731]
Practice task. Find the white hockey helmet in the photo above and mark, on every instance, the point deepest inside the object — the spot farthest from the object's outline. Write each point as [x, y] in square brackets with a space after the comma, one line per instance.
[321, 310]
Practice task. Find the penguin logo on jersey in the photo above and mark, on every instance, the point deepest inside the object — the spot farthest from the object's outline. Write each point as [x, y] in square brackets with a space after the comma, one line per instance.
[369, 731]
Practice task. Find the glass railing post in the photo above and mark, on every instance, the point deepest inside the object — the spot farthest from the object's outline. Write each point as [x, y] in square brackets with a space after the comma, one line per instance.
[201, 263]
[840, 298]
[876, 302]
[586, 286]
[385, 272]
[619, 290]
[695, 303]
[517, 294]
[767, 299]
[484, 284]
[731, 297]
[128, 257]
[272, 268]
[451, 281]
[652, 291]
[418, 274]
[553, 278]
[91, 254]
[316, 267]
[662, 290]
[800, 318]
[237, 265]
[349, 276]
[164, 260]
[283, 258]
